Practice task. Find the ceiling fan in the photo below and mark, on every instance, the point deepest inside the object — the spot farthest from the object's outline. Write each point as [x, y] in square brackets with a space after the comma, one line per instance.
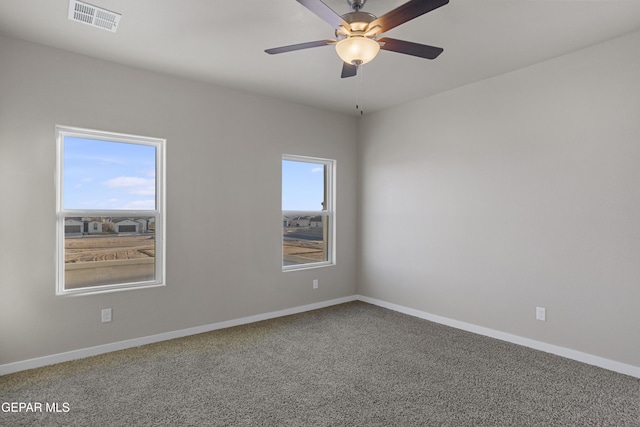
[357, 32]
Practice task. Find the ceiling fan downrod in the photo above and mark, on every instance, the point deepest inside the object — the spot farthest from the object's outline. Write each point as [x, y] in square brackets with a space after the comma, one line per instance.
[356, 5]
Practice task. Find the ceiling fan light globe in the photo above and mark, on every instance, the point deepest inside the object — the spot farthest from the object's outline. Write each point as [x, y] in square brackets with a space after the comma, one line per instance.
[357, 50]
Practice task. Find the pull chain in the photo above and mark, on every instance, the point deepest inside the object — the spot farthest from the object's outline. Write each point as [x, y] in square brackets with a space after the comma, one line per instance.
[359, 80]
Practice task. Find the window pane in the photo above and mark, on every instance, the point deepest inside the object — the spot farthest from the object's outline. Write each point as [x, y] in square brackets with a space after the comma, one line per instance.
[302, 186]
[304, 239]
[106, 250]
[105, 175]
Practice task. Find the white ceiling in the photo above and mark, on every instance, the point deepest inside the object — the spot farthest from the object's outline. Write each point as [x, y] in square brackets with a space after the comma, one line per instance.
[223, 42]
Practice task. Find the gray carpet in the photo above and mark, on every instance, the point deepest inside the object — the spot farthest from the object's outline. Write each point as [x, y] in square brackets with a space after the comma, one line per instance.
[349, 365]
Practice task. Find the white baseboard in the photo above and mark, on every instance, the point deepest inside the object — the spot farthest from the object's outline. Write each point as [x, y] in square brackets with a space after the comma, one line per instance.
[568, 353]
[10, 368]
[590, 359]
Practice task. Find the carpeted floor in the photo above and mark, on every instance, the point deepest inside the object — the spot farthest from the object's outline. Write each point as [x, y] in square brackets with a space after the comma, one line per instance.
[349, 365]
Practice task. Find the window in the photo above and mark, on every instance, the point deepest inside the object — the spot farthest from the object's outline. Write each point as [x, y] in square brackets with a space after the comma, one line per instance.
[110, 207]
[307, 212]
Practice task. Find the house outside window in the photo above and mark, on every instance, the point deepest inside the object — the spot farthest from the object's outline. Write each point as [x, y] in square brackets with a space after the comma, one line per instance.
[110, 211]
[308, 218]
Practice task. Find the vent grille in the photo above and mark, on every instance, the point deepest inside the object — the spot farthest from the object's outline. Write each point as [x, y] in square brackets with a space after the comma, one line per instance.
[93, 15]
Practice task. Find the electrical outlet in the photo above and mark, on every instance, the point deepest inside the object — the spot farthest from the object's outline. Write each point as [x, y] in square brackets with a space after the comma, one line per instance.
[315, 283]
[106, 315]
[541, 314]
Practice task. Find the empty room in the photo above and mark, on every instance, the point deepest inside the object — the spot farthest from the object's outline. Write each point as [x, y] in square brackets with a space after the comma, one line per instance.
[306, 212]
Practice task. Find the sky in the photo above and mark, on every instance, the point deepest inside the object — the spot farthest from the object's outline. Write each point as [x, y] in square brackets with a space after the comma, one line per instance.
[108, 175]
[302, 186]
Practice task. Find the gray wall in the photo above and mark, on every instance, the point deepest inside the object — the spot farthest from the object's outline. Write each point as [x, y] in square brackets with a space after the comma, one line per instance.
[484, 202]
[223, 199]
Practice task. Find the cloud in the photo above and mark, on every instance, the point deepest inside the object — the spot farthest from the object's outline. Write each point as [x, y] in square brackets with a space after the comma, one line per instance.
[102, 160]
[318, 169]
[133, 185]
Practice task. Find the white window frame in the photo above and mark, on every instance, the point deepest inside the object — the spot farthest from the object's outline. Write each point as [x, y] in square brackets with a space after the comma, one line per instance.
[158, 213]
[328, 212]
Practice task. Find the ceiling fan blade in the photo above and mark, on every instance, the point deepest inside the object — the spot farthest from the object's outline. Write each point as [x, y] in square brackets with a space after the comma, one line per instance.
[325, 13]
[348, 70]
[410, 48]
[299, 46]
[406, 12]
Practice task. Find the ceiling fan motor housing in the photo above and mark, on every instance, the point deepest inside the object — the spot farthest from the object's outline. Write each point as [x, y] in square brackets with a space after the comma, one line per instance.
[358, 21]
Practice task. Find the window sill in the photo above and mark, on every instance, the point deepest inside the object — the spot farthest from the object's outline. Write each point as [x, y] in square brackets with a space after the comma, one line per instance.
[107, 289]
[289, 268]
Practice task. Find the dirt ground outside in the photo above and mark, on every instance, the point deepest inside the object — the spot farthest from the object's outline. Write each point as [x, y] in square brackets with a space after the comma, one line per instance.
[108, 247]
[311, 250]
[303, 245]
